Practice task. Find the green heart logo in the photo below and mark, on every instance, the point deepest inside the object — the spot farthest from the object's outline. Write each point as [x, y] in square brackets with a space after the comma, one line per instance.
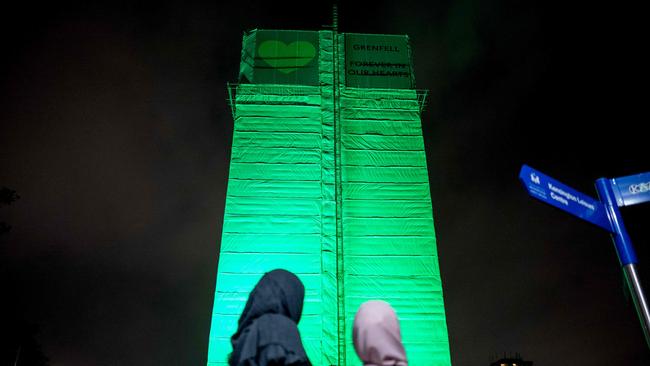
[286, 58]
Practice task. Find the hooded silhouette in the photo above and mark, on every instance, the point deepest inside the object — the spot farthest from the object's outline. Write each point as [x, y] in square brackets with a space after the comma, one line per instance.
[267, 332]
[377, 337]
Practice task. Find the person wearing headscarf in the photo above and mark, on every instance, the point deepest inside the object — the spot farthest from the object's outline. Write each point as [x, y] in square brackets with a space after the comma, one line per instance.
[267, 332]
[376, 335]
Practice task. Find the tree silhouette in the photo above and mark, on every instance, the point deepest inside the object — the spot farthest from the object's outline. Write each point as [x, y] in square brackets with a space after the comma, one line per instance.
[22, 348]
[7, 196]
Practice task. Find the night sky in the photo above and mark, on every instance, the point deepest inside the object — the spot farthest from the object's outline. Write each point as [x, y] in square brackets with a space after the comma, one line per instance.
[115, 132]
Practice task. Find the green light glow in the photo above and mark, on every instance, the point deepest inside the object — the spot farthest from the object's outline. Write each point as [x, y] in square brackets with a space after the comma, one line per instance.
[326, 176]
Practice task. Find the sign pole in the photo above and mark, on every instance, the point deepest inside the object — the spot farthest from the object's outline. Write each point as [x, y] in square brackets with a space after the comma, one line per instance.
[613, 193]
[626, 254]
[639, 299]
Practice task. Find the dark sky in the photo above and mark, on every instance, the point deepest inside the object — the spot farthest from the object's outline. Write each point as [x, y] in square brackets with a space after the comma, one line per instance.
[115, 132]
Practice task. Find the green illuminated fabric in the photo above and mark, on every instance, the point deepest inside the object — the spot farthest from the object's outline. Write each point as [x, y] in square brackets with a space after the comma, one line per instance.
[331, 183]
[389, 246]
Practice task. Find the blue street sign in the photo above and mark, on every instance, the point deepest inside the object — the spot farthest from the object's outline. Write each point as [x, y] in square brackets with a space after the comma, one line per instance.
[613, 193]
[632, 189]
[549, 190]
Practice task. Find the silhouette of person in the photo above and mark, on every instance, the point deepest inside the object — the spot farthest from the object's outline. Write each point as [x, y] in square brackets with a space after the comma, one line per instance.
[376, 335]
[267, 332]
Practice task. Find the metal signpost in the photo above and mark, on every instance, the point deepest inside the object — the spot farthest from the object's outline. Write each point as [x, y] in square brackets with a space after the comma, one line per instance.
[613, 193]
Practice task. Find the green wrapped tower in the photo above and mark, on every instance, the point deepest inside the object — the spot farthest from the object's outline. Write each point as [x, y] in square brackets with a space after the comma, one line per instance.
[328, 179]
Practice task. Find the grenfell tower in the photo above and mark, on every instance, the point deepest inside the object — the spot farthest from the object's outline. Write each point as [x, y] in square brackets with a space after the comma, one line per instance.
[328, 179]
